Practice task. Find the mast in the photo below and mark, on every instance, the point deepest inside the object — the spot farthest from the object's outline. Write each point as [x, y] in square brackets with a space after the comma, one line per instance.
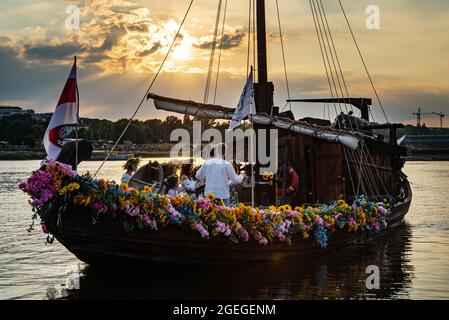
[261, 43]
[263, 94]
[263, 89]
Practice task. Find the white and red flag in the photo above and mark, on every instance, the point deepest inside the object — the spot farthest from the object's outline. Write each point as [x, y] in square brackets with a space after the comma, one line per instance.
[66, 114]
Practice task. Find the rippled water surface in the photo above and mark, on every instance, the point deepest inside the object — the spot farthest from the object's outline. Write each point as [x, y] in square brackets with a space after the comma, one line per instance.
[413, 259]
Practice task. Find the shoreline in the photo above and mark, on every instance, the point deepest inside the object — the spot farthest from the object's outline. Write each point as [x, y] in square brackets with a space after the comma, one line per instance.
[36, 155]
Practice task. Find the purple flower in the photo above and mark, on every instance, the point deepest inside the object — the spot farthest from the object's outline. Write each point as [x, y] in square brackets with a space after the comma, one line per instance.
[263, 241]
[319, 220]
[40, 187]
[131, 210]
[149, 222]
[100, 207]
[200, 228]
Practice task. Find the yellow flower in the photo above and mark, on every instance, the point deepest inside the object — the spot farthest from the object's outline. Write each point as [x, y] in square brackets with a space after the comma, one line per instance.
[82, 200]
[121, 202]
[210, 196]
[147, 189]
[72, 186]
[103, 184]
[124, 186]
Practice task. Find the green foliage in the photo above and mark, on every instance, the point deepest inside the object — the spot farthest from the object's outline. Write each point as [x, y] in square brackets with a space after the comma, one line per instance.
[26, 131]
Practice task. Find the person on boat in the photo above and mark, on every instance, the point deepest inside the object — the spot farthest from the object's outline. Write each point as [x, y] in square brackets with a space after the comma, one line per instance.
[130, 166]
[188, 184]
[219, 174]
[172, 184]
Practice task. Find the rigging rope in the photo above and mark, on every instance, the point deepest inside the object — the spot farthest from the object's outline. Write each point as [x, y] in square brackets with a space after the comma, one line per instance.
[363, 60]
[322, 53]
[249, 38]
[369, 163]
[336, 55]
[320, 25]
[283, 53]
[212, 55]
[221, 47]
[321, 20]
[332, 52]
[148, 90]
[339, 73]
[254, 40]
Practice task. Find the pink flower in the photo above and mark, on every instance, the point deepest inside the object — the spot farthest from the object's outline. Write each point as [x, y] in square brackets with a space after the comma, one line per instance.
[100, 207]
[203, 203]
[242, 231]
[172, 211]
[200, 228]
[319, 220]
[151, 223]
[222, 227]
[131, 210]
[40, 187]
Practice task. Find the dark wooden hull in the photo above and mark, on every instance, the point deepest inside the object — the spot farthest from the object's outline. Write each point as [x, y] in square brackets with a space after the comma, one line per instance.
[107, 242]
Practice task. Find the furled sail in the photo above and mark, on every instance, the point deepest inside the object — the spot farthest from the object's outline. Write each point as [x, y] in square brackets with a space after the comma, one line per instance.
[211, 111]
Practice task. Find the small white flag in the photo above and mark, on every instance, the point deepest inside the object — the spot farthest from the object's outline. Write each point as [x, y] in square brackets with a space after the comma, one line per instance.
[246, 105]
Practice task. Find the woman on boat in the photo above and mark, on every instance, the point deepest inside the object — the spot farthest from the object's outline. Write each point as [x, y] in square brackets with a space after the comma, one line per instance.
[219, 174]
[172, 185]
[188, 184]
[130, 166]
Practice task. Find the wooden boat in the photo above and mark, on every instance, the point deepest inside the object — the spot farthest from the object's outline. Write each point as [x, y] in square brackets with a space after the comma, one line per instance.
[109, 243]
[343, 159]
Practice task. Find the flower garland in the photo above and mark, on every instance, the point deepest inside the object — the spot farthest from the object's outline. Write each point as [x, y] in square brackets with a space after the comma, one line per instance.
[59, 184]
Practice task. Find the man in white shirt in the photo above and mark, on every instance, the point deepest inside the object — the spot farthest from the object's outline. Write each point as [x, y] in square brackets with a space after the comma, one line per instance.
[219, 173]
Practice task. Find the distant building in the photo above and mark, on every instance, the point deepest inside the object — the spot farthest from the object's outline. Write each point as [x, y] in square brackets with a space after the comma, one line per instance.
[42, 117]
[6, 111]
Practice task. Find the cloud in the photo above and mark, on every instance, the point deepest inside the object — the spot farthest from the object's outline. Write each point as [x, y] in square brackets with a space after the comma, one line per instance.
[230, 40]
[51, 52]
[152, 50]
[121, 43]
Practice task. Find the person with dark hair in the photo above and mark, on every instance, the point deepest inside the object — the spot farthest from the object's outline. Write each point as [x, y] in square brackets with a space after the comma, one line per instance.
[130, 166]
[172, 185]
[219, 174]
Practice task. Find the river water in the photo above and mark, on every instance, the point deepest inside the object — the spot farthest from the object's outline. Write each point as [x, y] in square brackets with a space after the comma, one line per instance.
[413, 260]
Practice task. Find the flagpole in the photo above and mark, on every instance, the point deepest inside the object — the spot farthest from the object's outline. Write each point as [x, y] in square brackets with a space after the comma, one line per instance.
[252, 160]
[77, 120]
[252, 148]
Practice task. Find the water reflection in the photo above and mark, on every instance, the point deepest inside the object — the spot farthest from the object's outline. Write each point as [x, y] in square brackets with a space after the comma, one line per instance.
[336, 275]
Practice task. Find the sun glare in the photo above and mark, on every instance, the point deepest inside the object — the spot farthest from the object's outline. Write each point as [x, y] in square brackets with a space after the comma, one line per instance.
[184, 50]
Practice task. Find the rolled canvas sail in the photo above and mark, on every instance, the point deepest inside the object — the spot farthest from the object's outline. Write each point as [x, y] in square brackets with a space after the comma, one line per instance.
[218, 112]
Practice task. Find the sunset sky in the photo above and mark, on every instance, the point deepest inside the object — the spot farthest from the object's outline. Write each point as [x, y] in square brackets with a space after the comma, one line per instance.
[121, 43]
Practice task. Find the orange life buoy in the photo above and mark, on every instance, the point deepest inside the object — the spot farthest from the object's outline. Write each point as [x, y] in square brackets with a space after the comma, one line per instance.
[294, 181]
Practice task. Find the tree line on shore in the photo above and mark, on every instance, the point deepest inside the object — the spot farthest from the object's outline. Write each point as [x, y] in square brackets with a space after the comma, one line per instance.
[25, 130]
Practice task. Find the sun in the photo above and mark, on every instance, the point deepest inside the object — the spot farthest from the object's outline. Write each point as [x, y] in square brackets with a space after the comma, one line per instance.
[184, 50]
[183, 47]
